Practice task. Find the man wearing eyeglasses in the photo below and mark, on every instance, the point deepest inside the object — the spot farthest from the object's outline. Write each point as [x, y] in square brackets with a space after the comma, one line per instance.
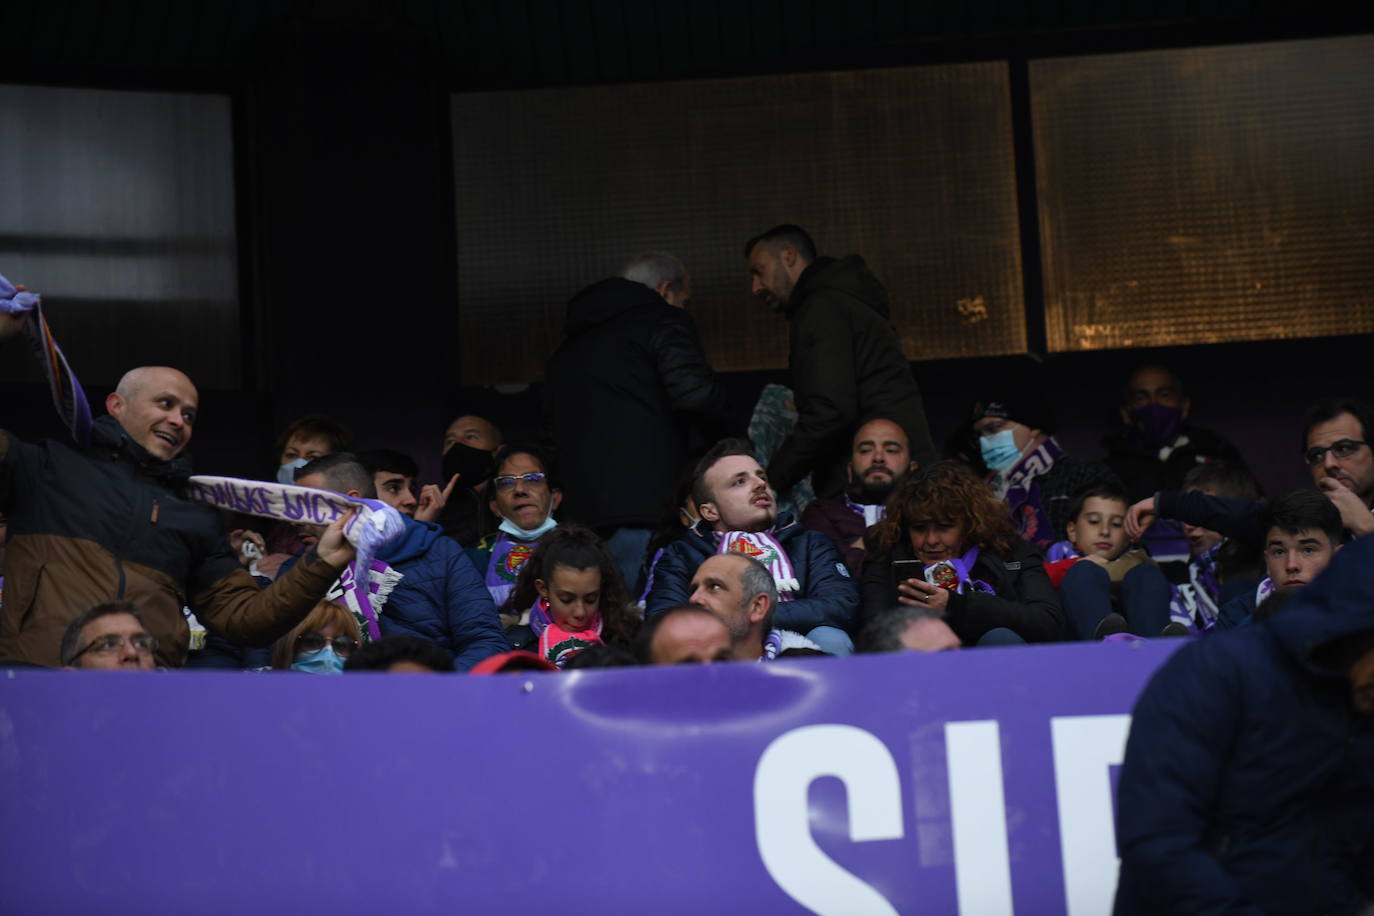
[1336, 446]
[523, 498]
[111, 636]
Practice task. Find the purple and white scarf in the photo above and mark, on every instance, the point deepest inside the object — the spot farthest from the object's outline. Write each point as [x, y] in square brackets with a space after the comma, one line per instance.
[762, 546]
[508, 557]
[382, 580]
[956, 575]
[67, 394]
[1017, 487]
[871, 514]
[374, 525]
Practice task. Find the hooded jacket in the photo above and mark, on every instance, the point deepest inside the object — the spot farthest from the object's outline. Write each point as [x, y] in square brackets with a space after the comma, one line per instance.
[442, 598]
[847, 367]
[828, 596]
[622, 395]
[109, 523]
[1248, 783]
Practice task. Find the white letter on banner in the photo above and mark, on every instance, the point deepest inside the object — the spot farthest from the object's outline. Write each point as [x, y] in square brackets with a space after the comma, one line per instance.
[782, 824]
[982, 865]
[1084, 748]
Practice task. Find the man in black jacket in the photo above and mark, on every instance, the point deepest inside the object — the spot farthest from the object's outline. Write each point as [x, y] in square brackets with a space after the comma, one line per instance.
[845, 359]
[622, 395]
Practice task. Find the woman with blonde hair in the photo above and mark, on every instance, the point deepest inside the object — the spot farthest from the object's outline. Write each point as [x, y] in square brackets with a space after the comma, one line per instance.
[320, 643]
[946, 543]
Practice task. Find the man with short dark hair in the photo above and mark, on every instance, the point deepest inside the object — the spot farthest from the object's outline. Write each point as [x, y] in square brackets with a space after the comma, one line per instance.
[439, 596]
[630, 380]
[740, 591]
[112, 521]
[683, 635]
[1248, 779]
[739, 514]
[845, 359]
[878, 457]
[401, 655]
[394, 474]
[109, 635]
[903, 628]
[1339, 451]
[467, 451]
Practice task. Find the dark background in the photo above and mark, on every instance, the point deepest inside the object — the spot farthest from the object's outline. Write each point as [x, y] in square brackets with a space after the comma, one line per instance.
[344, 180]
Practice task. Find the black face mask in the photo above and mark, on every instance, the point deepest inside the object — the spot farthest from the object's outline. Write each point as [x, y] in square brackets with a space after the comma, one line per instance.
[472, 465]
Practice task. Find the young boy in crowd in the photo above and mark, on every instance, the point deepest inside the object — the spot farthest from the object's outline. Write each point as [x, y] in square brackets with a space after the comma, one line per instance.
[1303, 531]
[1219, 568]
[1106, 586]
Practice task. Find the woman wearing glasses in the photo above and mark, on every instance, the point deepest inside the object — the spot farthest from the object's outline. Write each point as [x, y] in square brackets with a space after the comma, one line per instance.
[320, 643]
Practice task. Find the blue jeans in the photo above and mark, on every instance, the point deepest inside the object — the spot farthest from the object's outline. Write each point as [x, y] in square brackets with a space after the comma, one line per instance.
[627, 546]
[1086, 591]
[832, 640]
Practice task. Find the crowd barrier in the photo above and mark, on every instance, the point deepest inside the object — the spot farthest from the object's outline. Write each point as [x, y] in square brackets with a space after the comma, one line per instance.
[975, 782]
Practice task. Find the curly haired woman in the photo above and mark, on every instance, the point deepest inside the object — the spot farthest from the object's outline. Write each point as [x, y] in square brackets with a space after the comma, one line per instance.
[946, 543]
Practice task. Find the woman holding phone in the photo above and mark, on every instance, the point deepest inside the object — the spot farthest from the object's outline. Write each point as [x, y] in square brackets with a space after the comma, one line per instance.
[946, 543]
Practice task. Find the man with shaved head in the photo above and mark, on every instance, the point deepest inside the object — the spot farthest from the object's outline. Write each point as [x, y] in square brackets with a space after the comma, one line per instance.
[110, 524]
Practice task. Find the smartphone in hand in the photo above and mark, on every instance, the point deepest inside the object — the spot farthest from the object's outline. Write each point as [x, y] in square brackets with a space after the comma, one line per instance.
[908, 569]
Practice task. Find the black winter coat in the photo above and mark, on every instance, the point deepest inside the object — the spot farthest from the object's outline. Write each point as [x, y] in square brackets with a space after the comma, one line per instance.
[621, 395]
[847, 367]
[1025, 600]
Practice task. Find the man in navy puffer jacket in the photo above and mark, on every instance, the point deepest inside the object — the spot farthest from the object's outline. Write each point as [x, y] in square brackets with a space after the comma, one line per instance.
[441, 597]
[739, 514]
[1248, 783]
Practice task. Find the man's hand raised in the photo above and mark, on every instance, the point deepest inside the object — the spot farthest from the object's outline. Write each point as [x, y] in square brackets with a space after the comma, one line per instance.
[333, 547]
[433, 500]
[1141, 516]
[1355, 515]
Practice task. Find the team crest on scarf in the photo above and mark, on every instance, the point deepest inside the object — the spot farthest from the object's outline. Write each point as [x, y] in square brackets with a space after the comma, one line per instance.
[509, 566]
[764, 553]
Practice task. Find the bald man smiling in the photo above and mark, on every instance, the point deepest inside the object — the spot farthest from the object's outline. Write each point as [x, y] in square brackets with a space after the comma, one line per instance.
[109, 523]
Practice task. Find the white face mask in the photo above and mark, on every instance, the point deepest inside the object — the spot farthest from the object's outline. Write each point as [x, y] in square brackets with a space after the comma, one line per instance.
[287, 472]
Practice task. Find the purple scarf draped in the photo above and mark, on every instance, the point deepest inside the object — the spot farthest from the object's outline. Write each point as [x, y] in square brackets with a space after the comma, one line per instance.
[508, 557]
[956, 575]
[1018, 488]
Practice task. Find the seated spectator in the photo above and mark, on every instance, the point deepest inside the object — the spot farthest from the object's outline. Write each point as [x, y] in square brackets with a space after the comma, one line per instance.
[1155, 446]
[902, 628]
[1104, 585]
[394, 474]
[945, 543]
[468, 445]
[741, 592]
[109, 635]
[570, 596]
[1027, 468]
[319, 644]
[524, 496]
[401, 655]
[1219, 568]
[601, 656]
[878, 456]
[439, 596]
[302, 441]
[683, 635]
[1302, 533]
[1338, 445]
[739, 515]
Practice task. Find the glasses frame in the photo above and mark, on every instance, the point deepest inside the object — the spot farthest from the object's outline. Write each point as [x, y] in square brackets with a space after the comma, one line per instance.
[507, 481]
[1317, 454]
[333, 642]
[149, 646]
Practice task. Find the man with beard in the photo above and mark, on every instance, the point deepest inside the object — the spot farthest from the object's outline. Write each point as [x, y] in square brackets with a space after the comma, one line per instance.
[879, 455]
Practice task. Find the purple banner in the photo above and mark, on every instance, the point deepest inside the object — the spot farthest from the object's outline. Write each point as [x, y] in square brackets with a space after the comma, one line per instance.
[965, 782]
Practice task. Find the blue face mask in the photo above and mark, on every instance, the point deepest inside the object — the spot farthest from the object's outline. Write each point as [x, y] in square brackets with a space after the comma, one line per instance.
[528, 534]
[287, 472]
[322, 662]
[999, 450]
